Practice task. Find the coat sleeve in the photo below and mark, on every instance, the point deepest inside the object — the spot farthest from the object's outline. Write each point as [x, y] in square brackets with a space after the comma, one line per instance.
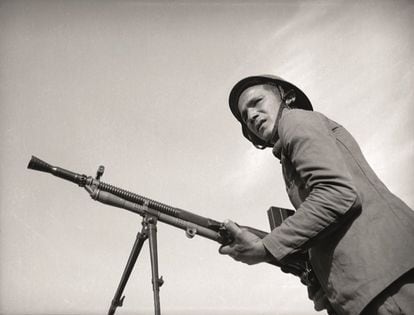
[310, 146]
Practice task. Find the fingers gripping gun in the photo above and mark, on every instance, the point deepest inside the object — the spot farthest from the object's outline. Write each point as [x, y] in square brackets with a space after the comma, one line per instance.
[152, 211]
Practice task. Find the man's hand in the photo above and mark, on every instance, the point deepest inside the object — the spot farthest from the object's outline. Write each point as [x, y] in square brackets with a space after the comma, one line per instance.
[320, 301]
[246, 247]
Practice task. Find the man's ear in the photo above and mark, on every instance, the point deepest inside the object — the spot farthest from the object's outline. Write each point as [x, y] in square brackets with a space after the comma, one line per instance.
[289, 97]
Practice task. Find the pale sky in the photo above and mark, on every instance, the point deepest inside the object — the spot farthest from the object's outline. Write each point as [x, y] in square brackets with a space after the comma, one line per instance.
[142, 87]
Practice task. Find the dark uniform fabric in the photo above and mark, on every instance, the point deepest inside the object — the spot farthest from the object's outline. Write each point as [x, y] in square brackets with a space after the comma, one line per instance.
[397, 299]
[360, 236]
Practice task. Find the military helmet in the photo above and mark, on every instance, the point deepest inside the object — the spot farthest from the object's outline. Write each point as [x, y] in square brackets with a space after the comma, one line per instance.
[301, 100]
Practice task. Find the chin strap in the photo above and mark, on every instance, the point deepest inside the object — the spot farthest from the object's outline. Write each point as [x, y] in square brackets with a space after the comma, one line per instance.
[275, 135]
[287, 98]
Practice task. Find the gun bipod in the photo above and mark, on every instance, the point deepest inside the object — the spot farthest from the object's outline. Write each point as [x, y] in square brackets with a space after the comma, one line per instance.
[148, 231]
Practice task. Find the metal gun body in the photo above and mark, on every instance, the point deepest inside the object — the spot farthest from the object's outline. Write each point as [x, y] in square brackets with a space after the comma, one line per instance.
[192, 223]
[151, 211]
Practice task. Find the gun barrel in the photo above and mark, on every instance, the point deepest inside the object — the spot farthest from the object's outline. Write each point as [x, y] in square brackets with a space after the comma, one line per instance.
[116, 201]
[161, 207]
[122, 198]
[42, 166]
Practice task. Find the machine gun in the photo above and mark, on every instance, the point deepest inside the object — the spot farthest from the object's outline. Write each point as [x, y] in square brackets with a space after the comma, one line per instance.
[153, 211]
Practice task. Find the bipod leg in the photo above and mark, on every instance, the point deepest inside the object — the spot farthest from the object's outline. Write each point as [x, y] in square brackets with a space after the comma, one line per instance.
[156, 281]
[139, 242]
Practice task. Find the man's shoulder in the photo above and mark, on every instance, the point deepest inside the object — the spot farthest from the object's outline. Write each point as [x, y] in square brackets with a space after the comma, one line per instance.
[293, 118]
[296, 114]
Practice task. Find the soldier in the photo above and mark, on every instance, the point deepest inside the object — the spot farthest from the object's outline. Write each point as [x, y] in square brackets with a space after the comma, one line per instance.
[359, 236]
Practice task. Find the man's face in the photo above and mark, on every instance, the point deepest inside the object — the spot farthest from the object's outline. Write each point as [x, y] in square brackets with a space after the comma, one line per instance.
[258, 107]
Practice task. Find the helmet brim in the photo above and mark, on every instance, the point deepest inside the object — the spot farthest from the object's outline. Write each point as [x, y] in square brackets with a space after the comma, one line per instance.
[301, 101]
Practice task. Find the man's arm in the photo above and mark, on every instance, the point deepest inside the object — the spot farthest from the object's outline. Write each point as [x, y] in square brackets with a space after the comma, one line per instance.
[310, 147]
